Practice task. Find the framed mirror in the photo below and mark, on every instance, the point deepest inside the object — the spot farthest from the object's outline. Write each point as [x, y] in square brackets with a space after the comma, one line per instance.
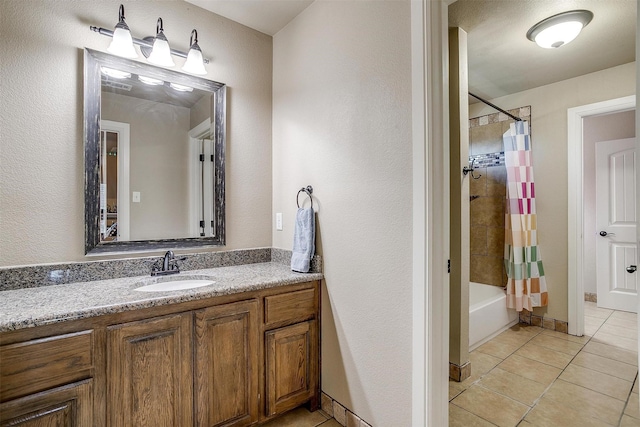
[154, 154]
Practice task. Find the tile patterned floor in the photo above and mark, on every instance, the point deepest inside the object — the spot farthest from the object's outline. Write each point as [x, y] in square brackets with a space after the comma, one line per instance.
[301, 417]
[528, 376]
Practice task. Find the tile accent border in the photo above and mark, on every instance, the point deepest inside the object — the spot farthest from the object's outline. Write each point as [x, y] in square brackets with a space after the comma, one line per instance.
[529, 318]
[588, 296]
[342, 415]
[459, 373]
[496, 159]
[522, 112]
[33, 276]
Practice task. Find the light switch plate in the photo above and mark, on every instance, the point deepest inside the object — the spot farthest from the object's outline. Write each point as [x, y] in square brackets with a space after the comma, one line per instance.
[279, 221]
[136, 197]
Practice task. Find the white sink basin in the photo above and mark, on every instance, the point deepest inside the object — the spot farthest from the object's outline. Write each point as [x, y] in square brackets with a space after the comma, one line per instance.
[174, 283]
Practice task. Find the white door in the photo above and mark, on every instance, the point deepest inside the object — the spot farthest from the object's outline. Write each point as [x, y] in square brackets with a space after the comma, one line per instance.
[616, 247]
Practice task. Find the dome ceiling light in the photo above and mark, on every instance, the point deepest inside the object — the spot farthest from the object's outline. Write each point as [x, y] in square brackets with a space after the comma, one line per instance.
[559, 29]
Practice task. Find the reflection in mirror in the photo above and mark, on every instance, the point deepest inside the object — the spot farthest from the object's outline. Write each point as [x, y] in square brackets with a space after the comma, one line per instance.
[154, 157]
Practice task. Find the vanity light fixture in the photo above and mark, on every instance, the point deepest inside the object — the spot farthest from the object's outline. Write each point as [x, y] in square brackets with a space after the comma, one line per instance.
[180, 88]
[150, 81]
[161, 52]
[156, 49]
[122, 43]
[194, 63]
[559, 29]
[116, 74]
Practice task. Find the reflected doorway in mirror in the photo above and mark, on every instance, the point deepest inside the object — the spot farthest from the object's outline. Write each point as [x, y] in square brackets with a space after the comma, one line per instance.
[201, 181]
[114, 181]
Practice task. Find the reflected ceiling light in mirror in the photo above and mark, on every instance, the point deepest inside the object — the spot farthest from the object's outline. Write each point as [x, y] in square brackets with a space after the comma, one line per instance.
[559, 29]
[161, 52]
[150, 81]
[180, 88]
[194, 63]
[116, 74]
[122, 43]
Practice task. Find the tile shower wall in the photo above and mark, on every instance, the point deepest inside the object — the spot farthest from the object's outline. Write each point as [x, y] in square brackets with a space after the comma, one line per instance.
[488, 195]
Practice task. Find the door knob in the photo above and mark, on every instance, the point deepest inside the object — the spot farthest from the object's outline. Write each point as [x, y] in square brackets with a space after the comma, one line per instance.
[605, 234]
[631, 269]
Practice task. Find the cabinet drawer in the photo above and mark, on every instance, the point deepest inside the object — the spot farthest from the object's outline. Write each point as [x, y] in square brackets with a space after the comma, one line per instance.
[290, 307]
[41, 364]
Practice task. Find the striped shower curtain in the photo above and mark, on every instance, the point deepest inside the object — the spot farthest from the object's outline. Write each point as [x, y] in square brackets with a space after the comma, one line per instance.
[526, 285]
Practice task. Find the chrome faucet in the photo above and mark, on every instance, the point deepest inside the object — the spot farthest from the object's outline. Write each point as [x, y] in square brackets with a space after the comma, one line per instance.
[169, 265]
[167, 259]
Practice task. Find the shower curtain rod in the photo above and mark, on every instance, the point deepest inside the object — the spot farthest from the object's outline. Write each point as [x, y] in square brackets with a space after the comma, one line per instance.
[518, 119]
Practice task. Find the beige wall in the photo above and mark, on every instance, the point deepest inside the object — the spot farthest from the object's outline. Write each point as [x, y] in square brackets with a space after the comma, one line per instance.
[341, 123]
[607, 127]
[41, 148]
[549, 106]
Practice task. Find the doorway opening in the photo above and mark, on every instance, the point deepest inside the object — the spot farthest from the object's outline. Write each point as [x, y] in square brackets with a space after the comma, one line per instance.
[576, 202]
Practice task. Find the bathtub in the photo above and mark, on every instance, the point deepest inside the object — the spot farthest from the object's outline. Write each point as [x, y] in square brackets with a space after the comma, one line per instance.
[488, 313]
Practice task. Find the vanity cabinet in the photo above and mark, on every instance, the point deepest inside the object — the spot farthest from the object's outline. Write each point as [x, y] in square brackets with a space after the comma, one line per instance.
[68, 406]
[149, 372]
[47, 381]
[291, 350]
[289, 367]
[226, 365]
[229, 361]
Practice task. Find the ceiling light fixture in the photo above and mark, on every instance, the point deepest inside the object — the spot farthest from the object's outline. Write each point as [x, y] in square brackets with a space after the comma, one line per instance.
[123, 45]
[559, 29]
[194, 64]
[161, 52]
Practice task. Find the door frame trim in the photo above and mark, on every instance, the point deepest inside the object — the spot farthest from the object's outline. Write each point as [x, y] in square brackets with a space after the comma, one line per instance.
[575, 170]
[430, 144]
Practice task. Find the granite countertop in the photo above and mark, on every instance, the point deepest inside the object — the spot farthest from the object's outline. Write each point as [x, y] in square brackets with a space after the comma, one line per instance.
[26, 308]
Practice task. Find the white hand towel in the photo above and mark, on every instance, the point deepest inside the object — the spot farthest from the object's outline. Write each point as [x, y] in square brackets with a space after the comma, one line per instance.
[304, 236]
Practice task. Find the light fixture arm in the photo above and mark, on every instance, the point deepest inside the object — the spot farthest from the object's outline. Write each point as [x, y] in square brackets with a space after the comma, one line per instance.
[140, 42]
[194, 37]
[121, 23]
[159, 28]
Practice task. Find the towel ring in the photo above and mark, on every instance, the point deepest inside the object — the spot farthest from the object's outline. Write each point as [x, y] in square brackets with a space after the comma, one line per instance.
[309, 190]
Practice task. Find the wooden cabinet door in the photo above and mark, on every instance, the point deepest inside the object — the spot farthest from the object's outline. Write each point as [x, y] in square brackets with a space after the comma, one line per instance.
[226, 374]
[291, 366]
[67, 406]
[149, 370]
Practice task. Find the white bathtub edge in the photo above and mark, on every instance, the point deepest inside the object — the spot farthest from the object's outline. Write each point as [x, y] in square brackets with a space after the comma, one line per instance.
[490, 337]
[489, 316]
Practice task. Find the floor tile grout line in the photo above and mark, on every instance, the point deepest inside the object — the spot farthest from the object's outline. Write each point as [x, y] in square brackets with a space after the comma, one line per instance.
[590, 337]
[477, 382]
[626, 403]
[550, 384]
[466, 410]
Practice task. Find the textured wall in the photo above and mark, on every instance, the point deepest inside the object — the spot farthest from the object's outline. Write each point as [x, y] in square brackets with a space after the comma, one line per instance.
[549, 106]
[341, 122]
[41, 154]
